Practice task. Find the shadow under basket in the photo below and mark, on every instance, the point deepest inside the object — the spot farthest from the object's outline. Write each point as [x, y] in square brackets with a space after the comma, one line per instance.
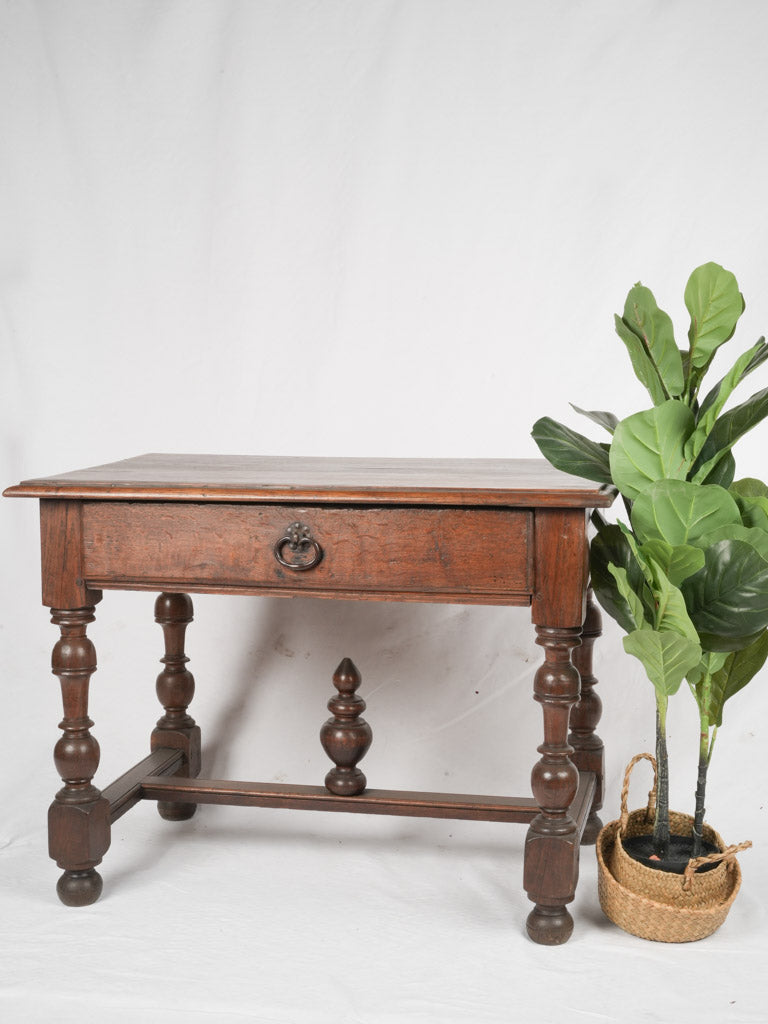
[660, 905]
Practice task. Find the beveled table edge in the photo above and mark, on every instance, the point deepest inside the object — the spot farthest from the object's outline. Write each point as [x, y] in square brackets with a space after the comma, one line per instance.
[553, 488]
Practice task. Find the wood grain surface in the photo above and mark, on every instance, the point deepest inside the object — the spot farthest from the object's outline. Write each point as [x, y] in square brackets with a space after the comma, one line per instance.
[511, 482]
[455, 551]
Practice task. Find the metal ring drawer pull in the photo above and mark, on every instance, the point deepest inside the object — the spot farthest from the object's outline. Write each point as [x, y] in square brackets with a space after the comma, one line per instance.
[298, 539]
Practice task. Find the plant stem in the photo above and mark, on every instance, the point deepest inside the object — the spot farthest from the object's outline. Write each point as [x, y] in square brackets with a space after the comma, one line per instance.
[701, 790]
[661, 824]
[711, 745]
[703, 693]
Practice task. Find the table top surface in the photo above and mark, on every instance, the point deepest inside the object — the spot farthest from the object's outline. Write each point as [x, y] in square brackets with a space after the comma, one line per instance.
[254, 478]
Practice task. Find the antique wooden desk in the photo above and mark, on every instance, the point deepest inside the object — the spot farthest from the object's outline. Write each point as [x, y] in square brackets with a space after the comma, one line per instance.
[479, 531]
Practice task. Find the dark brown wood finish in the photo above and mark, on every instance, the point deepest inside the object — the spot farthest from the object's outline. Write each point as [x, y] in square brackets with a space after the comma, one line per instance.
[483, 483]
[588, 753]
[347, 736]
[509, 532]
[175, 689]
[126, 791]
[559, 607]
[318, 798]
[61, 547]
[428, 552]
[78, 819]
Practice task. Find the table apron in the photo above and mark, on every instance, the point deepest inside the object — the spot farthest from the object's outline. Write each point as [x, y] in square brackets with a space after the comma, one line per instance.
[442, 554]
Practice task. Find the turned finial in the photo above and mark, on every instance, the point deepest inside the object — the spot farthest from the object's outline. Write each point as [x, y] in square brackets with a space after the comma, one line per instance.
[346, 737]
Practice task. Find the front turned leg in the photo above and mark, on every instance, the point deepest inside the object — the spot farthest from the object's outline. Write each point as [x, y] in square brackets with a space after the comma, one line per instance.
[175, 690]
[589, 755]
[78, 819]
[552, 845]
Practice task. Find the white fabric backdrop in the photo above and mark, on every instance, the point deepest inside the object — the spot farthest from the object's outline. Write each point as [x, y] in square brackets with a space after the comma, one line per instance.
[337, 228]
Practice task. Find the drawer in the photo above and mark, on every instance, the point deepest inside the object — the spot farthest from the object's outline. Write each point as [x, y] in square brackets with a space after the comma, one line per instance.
[351, 550]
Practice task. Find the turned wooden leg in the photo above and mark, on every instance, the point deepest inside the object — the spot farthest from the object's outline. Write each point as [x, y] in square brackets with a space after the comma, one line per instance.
[588, 752]
[551, 846]
[346, 737]
[175, 689]
[78, 819]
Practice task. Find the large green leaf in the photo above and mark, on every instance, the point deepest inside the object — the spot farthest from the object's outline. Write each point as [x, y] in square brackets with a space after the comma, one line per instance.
[666, 657]
[611, 548]
[739, 669]
[603, 419]
[713, 299]
[635, 549]
[754, 512]
[571, 452]
[700, 681]
[710, 663]
[715, 401]
[679, 512]
[642, 364]
[758, 355]
[752, 498]
[671, 613]
[701, 688]
[727, 430]
[749, 487]
[648, 446]
[678, 563]
[723, 471]
[728, 597]
[712, 642]
[754, 536]
[654, 329]
[634, 604]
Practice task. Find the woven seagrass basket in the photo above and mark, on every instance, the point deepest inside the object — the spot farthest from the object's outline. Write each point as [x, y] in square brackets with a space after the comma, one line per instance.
[660, 905]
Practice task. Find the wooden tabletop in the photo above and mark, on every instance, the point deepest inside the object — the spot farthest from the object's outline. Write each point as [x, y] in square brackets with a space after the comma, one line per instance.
[255, 478]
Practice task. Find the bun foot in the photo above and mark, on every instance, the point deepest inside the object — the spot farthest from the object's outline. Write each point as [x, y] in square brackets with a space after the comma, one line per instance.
[79, 888]
[549, 926]
[171, 810]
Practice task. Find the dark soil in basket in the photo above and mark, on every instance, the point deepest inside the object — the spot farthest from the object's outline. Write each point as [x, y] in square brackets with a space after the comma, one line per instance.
[640, 848]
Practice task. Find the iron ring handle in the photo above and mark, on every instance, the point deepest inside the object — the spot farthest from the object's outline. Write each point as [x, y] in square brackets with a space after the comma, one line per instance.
[298, 539]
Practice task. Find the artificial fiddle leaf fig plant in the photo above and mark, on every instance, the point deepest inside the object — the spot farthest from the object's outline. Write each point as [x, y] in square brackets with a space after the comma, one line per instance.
[687, 576]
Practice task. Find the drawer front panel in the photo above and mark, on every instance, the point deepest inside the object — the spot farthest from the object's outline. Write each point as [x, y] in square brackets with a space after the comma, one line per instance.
[367, 550]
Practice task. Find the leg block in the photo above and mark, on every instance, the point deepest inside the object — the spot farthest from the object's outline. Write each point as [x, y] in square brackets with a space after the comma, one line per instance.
[78, 837]
[189, 741]
[550, 877]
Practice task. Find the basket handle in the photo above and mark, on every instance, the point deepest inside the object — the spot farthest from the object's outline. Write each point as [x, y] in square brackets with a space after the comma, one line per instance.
[728, 854]
[650, 812]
